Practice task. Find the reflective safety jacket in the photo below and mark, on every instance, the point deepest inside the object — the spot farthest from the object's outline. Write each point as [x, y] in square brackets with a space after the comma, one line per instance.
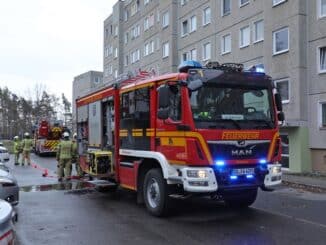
[65, 150]
[17, 147]
[27, 144]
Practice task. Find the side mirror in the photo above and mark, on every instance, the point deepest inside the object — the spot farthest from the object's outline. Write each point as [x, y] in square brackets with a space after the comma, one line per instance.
[280, 116]
[163, 113]
[278, 102]
[195, 85]
[163, 97]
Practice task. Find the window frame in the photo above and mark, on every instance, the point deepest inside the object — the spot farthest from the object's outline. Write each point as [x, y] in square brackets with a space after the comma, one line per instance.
[287, 101]
[318, 60]
[319, 9]
[183, 34]
[222, 8]
[166, 13]
[274, 41]
[164, 55]
[320, 114]
[205, 21]
[191, 27]
[254, 31]
[210, 51]
[191, 54]
[243, 4]
[223, 52]
[278, 3]
[240, 37]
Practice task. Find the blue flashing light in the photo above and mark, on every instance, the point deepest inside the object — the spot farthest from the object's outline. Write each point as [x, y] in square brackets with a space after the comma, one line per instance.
[249, 176]
[189, 64]
[220, 163]
[262, 161]
[260, 70]
[233, 177]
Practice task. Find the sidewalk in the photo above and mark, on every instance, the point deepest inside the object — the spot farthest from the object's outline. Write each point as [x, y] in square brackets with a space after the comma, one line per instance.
[310, 181]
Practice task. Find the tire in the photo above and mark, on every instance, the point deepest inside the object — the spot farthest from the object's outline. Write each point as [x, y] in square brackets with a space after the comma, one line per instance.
[155, 192]
[241, 199]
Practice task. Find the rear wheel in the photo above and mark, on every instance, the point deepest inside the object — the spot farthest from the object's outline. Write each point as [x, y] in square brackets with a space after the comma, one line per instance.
[241, 199]
[155, 193]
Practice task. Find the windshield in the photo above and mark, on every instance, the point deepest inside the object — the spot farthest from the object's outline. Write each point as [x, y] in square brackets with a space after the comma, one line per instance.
[215, 106]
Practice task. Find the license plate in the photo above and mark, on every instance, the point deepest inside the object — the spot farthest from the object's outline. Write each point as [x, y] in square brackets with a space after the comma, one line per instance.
[243, 171]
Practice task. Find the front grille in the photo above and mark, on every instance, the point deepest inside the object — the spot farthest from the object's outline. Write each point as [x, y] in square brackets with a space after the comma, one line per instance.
[233, 150]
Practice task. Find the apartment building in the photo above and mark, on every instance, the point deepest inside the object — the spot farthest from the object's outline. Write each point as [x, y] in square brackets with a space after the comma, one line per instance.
[82, 85]
[286, 38]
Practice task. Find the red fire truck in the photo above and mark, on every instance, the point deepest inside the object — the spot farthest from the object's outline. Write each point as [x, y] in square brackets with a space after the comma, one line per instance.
[47, 137]
[209, 130]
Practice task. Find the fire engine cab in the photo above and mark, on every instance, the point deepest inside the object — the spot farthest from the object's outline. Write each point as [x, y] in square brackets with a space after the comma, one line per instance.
[209, 130]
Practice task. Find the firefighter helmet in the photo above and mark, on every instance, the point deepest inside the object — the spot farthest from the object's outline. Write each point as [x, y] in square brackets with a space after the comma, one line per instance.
[16, 138]
[26, 135]
[65, 135]
[74, 136]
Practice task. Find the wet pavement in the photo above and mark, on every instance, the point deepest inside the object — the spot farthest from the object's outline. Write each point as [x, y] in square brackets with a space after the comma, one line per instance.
[75, 213]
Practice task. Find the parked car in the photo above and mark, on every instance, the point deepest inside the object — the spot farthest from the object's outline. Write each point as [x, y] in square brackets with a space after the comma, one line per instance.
[4, 154]
[9, 190]
[7, 218]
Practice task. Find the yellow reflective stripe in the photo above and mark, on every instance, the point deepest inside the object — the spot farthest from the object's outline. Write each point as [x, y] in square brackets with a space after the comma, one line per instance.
[128, 187]
[177, 162]
[271, 149]
[173, 141]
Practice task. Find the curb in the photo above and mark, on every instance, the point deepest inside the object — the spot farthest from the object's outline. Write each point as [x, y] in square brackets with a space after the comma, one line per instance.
[307, 187]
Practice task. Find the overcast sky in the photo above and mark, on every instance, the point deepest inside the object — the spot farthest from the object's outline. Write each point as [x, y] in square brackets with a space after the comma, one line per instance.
[50, 42]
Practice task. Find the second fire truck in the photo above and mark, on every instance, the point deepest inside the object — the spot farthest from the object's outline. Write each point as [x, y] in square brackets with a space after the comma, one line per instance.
[203, 131]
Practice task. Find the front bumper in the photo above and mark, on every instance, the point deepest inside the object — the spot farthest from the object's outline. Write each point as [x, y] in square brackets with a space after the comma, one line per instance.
[218, 179]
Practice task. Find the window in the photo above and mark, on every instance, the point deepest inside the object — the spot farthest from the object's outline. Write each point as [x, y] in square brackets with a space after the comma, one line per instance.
[277, 2]
[323, 114]
[151, 47]
[244, 37]
[126, 37]
[193, 23]
[151, 20]
[135, 56]
[146, 23]
[226, 7]
[258, 31]
[165, 49]
[283, 89]
[175, 102]
[184, 28]
[322, 59]
[321, 8]
[146, 49]
[206, 51]
[115, 53]
[106, 33]
[134, 7]
[115, 73]
[126, 14]
[183, 2]
[285, 150]
[110, 50]
[135, 31]
[126, 60]
[226, 44]
[193, 54]
[110, 70]
[165, 19]
[116, 30]
[243, 2]
[106, 52]
[281, 41]
[184, 56]
[206, 16]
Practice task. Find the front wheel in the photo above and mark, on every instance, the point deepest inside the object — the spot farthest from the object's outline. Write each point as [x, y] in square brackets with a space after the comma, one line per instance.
[155, 193]
[241, 199]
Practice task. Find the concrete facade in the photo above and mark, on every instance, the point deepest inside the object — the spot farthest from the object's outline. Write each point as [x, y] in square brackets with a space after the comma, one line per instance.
[282, 36]
[82, 85]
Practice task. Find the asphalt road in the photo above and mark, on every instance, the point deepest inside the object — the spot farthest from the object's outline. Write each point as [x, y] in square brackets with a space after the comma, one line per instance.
[72, 214]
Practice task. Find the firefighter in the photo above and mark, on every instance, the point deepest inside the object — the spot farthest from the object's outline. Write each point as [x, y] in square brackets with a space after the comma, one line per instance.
[64, 157]
[17, 149]
[75, 158]
[27, 147]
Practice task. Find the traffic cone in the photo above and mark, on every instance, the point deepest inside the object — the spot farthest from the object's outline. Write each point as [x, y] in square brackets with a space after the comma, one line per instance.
[45, 172]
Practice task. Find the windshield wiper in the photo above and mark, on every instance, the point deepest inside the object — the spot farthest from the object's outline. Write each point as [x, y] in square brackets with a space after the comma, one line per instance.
[230, 120]
[267, 122]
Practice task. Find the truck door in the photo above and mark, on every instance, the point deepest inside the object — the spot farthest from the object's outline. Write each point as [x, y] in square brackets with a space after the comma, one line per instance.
[170, 131]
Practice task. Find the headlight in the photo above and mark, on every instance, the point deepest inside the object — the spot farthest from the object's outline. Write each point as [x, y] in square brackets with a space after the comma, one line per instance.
[5, 181]
[276, 169]
[202, 174]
